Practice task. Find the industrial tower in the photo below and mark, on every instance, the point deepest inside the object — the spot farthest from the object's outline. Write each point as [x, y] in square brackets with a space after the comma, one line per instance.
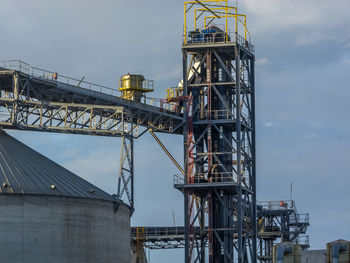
[219, 186]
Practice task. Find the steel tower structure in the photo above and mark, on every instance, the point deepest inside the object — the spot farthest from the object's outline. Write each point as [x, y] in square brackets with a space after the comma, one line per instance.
[219, 136]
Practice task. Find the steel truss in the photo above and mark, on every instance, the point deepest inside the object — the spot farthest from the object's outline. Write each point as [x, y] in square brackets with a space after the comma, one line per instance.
[160, 237]
[275, 224]
[219, 141]
[24, 88]
[35, 102]
[126, 171]
[279, 221]
[61, 117]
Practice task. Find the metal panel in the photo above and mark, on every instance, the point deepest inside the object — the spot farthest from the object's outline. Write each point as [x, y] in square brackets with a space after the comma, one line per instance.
[60, 229]
[25, 171]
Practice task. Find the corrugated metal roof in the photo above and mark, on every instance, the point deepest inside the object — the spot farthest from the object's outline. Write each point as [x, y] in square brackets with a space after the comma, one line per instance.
[25, 171]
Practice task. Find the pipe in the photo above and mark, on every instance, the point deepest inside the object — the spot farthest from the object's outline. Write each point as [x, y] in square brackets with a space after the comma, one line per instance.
[281, 251]
[178, 167]
[336, 249]
[167, 152]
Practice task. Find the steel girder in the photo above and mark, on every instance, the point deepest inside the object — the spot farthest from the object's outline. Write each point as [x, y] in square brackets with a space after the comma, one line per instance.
[62, 117]
[126, 172]
[272, 226]
[46, 91]
[219, 147]
[160, 237]
[38, 103]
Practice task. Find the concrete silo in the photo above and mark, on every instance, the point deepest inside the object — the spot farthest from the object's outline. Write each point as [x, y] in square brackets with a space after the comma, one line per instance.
[49, 214]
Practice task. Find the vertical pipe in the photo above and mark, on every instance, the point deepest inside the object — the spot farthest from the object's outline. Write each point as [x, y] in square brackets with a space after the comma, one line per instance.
[121, 164]
[195, 19]
[186, 197]
[15, 87]
[252, 83]
[239, 174]
[236, 21]
[185, 24]
[226, 30]
[132, 169]
[202, 257]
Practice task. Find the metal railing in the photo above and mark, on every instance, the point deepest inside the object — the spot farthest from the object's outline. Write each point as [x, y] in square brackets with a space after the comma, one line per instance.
[178, 179]
[225, 178]
[200, 37]
[159, 231]
[304, 218]
[222, 115]
[303, 241]
[47, 75]
[277, 205]
[20, 66]
[17, 65]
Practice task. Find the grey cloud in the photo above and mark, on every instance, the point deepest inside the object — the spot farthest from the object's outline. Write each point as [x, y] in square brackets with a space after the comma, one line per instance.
[301, 83]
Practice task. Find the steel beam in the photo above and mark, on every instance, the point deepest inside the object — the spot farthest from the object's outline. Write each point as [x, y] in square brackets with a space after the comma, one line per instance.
[219, 142]
[102, 120]
[24, 83]
[126, 171]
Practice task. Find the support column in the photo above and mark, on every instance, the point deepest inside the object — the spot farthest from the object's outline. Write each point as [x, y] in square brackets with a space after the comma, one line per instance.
[126, 171]
[15, 88]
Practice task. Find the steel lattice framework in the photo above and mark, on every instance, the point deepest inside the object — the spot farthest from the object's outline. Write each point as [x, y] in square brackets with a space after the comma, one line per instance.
[219, 141]
[32, 99]
[219, 151]
[279, 221]
[219, 185]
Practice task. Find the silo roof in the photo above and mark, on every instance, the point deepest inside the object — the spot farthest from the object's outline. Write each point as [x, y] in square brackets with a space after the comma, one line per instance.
[25, 171]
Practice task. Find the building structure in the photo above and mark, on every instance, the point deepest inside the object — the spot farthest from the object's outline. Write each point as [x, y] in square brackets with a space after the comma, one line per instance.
[49, 214]
[219, 185]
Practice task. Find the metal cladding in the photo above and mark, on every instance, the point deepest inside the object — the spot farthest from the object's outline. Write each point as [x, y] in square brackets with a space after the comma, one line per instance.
[56, 229]
[25, 171]
[49, 214]
[313, 256]
[287, 252]
[338, 251]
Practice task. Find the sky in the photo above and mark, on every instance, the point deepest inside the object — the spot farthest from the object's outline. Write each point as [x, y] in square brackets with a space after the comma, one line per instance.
[302, 97]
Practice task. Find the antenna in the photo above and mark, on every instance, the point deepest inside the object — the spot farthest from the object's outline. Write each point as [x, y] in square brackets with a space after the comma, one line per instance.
[291, 191]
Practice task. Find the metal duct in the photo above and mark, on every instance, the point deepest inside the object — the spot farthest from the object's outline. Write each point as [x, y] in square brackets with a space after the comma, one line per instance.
[281, 251]
[336, 249]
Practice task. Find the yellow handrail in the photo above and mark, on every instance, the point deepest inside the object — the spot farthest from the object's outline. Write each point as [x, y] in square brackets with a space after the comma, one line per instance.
[237, 18]
[219, 9]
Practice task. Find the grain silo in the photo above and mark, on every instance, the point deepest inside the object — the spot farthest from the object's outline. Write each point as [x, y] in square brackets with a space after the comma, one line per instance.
[49, 214]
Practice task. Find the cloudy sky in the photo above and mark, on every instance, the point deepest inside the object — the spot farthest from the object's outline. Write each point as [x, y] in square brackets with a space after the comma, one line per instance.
[302, 85]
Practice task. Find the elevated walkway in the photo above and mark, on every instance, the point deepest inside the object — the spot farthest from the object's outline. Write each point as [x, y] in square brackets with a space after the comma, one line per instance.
[22, 86]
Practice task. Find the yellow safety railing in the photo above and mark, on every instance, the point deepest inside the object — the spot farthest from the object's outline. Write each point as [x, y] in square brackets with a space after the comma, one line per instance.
[140, 237]
[172, 93]
[237, 18]
[218, 10]
[202, 10]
